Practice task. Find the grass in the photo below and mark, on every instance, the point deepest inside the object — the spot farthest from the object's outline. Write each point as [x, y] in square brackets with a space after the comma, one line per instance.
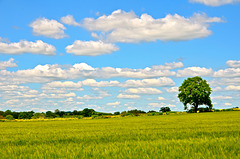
[204, 135]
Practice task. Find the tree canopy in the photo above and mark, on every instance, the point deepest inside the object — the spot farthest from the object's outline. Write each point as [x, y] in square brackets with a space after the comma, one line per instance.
[195, 91]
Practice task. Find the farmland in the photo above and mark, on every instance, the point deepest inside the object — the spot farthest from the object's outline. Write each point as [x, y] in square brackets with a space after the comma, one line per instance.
[203, 135]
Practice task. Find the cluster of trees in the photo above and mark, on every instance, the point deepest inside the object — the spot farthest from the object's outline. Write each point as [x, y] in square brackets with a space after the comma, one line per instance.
[194, 91]
[8, 114]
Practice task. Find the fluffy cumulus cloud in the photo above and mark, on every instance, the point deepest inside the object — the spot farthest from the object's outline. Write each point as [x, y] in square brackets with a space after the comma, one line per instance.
[221, 97]
[94, 83]
[233, 63]
[159, 82]
[127, 27]
[225, 81]
[215, 3]
[48, 28]
[128, 96]
[113, 104]
[172, 90]
[91, 48]
[232, 88]
[229, 72]
[66, 84]
[7, 64]
[169, 66]
[143, 91]
[38, 47]
[55, 72]
[194, 71]
[69, 20]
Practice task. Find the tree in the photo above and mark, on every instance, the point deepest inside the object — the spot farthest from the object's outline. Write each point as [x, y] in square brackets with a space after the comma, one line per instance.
[88, 112]
[9, 117]
[165, 109]
[195, 91]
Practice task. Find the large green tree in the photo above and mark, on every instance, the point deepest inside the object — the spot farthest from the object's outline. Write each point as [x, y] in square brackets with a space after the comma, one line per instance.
[195, 91]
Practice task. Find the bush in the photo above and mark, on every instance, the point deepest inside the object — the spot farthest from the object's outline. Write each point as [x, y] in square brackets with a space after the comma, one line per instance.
[9, 117]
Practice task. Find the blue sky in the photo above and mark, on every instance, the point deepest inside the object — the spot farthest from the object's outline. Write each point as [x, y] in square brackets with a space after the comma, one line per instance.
[116, 55]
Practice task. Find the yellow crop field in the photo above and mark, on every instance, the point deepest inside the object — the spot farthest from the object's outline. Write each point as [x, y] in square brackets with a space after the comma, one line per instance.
[198, 135]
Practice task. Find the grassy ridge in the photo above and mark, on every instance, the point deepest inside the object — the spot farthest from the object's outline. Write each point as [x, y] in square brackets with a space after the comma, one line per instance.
[204, 135]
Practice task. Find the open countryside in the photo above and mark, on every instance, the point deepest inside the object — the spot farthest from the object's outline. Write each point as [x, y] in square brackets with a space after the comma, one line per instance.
[195, 135]
[127, 79]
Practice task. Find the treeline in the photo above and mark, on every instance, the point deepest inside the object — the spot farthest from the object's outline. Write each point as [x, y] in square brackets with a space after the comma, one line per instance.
[8, 114]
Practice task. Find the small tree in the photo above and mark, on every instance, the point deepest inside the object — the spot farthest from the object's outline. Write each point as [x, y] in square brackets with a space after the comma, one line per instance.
[165, 109]
[195, 91]
[9, 117]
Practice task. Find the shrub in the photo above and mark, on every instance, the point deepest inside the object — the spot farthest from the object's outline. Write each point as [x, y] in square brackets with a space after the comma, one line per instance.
[9, 117]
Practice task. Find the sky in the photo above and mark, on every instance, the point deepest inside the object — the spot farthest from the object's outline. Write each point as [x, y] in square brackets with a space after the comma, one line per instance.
[116, 55]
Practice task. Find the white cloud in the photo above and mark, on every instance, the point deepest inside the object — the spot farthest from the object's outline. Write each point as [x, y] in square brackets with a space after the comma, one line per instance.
[48, 28]
[194, 71]
[162, 81]
[7, 64]
[69, 20]
[168, 66]
[229, 72]
[94, 83]
[233, 63]
[127, 27]
[49, 73]
[215, 3]
[232, 88]
[88, 97]
[38, 47]
[215, 89]
[221, 97]
[91, 48]
[227, 104]
[128, 96]
[143, 91]
[56, 96]
[113, 104]
[160, 98]
[66, 84]
[225, 81]
[172, 90]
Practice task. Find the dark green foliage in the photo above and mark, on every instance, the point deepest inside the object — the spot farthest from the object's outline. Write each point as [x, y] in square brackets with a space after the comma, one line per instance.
[151, 111]
[88, 112]
[165, 109]
[50, 114]
[195, 91]
[135, 112]
[9, 117]
[116, 113]
[25, 115]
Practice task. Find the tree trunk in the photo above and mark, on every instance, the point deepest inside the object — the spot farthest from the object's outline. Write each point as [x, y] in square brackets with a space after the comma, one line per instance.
[196, 108]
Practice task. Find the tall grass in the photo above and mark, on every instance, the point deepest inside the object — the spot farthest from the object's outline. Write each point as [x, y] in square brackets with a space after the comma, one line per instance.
[203, 135]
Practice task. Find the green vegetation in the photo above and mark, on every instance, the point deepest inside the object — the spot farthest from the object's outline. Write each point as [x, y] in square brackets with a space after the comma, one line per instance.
[203, 135]
[195, 91]
[165, 109]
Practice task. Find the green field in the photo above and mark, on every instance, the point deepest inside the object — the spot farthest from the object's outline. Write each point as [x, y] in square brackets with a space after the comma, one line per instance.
[203, 135]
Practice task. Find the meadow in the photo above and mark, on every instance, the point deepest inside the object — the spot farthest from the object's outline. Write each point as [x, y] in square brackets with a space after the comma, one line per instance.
[204, 135]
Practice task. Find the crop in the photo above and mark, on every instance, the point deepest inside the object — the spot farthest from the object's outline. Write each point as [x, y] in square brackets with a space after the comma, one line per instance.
[202, 135]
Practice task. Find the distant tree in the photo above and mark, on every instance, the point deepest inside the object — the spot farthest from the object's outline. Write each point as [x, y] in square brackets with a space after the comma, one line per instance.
[7, 112]
[9, 117]
[38, 115]
[2, 113]
[165, 109]
[151, 111]
[25, 115]
[50, 114]
[75, 112]
[88, 112]
[116, 113]
[195, 91]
